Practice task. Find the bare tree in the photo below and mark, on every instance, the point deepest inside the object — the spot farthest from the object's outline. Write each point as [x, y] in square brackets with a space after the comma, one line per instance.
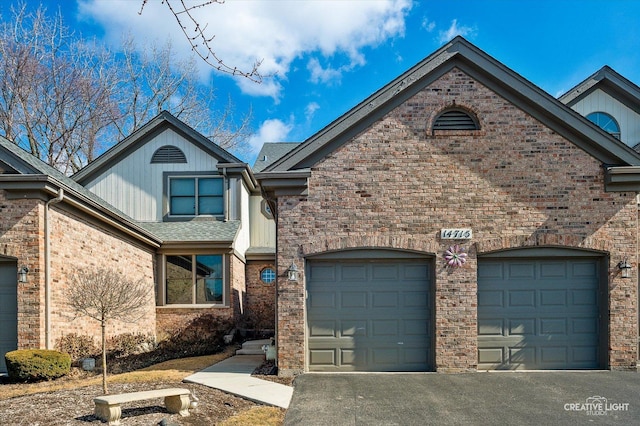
[66, 99]
[105, 295]
[202, 43]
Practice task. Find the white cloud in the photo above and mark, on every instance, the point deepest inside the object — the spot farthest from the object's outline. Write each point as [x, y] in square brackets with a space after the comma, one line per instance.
[427, 25]
[455, 30]
[272, 130]
[310, 110]
[275, 32]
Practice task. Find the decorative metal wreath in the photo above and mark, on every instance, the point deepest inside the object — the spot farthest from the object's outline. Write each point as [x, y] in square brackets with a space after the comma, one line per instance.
[455, 256]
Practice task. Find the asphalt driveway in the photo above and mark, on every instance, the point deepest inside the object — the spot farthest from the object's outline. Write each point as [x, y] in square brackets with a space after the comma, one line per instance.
[540, 398]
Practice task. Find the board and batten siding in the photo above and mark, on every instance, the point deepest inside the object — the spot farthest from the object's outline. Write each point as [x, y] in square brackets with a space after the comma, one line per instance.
[243, 239]
[135, 186]
[628, 119]
[263, 230]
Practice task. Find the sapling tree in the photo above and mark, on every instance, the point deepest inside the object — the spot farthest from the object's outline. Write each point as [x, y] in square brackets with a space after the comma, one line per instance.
[105, 295]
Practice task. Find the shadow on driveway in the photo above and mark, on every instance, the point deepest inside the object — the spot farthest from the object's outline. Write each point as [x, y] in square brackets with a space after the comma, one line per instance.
[513, 398]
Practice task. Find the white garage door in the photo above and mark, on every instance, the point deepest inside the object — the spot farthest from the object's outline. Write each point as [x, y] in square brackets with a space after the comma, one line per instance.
[539, 313]
[369, 315]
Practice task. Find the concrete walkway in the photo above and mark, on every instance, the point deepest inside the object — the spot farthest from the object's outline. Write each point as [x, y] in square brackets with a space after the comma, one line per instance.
[233, 375]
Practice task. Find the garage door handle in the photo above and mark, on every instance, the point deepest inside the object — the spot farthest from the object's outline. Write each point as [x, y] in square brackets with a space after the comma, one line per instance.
[401, 343]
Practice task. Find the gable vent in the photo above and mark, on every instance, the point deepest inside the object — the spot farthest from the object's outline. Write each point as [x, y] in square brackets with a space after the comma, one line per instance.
[455, 119]
[168, 154]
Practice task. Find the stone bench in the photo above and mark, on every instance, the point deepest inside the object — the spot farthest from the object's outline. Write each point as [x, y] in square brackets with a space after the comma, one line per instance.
[108, 407]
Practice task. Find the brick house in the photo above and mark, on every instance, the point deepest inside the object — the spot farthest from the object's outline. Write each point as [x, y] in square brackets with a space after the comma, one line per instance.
[458, 219]
[166, 204]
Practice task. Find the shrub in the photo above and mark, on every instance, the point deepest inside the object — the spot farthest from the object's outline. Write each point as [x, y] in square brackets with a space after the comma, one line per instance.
[78, 347]
[203, 335]
[28, 365]
[127, 344]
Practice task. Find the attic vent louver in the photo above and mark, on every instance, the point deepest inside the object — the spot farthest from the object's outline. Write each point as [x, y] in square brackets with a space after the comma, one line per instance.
[168, 154]
[455, 119]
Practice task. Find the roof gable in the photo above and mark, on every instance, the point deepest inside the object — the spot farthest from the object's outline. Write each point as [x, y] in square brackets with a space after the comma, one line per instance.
[461, 54]
[155, 126]
[609, 81]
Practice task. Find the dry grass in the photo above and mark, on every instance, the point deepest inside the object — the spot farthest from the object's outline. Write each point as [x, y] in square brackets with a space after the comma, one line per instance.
[169, 371]
[264, 416]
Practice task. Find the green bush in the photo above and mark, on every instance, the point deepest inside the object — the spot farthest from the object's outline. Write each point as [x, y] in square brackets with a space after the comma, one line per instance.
[30, 365]
[78, 347]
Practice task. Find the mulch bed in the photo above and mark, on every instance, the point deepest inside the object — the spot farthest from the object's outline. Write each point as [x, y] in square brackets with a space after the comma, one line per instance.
[75, 407]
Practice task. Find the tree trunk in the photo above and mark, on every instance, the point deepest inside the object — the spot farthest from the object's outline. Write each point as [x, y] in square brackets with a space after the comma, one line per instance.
[104, 357]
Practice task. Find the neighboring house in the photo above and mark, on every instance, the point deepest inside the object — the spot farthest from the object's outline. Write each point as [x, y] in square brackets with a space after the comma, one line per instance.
[49, 227]
[610, 101]
[459, 161]
[193, 227]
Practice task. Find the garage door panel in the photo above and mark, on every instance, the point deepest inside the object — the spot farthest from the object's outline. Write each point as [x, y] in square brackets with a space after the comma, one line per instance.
[522, 298]
[384, 299]
[384, 321]
[353, 299]
[553, 298]
[551, 320]
[522, 327]
[491, 327]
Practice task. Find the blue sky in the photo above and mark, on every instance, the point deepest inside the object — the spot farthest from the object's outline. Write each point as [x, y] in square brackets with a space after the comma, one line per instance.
[325, 56]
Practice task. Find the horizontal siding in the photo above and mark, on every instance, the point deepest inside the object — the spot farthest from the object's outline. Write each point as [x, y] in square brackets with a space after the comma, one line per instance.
[135, 186]
[627, 118]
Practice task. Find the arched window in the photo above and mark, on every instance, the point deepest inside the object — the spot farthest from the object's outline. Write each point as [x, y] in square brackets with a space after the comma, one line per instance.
[606, 122]
[168, 154]
[455, 119]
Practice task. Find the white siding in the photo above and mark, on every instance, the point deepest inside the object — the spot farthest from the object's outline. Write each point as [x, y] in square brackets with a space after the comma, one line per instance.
[135, 186]
[263, 230]
[627, 118]
[243, 240]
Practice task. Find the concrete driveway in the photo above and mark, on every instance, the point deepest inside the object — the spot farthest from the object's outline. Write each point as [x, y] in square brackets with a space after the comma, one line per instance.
[532, 398]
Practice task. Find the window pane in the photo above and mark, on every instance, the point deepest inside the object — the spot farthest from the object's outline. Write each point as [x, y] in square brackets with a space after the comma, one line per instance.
[179, 280]
[210, 186]
[210, 205]
[209, 279]
[183, 205]
[182, 186]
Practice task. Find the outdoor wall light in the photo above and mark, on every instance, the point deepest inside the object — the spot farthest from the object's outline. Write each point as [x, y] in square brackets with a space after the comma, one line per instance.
[292, 272]
[625, 267]
[22, 274]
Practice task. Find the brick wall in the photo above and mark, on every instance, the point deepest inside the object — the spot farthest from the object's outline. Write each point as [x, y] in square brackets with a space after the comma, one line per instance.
[21, 236]
[75, 242]
[260, 296]
[515, 182]
[78, 243]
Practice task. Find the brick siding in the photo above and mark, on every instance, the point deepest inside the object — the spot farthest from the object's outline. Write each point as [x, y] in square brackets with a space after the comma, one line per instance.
[515, 182]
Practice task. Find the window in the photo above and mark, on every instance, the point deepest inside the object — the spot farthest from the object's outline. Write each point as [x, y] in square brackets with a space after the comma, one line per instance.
[606, 122]
[268, 275]
[195, 279]
[196, 196]
[455, 119]
[168, 154]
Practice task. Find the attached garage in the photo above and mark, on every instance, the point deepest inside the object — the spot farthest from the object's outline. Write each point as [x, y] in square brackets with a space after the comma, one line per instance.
[8, 308]
[370, 311]
[541, 309]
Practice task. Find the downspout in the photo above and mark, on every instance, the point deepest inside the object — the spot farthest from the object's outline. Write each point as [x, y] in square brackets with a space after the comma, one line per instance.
[226, 195]
[47, 268]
